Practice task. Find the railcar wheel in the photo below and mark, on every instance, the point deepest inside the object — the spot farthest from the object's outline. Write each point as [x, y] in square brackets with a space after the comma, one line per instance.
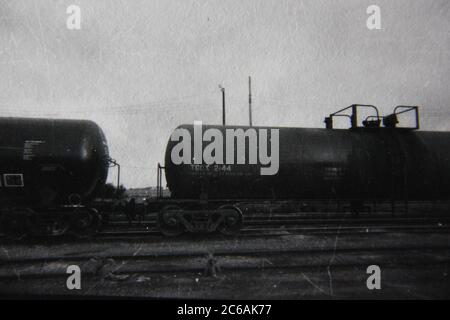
[85, 223]
[231, 222]
[169, 222]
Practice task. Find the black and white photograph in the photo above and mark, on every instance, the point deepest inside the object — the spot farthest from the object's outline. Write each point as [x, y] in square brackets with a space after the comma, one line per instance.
[242, 151]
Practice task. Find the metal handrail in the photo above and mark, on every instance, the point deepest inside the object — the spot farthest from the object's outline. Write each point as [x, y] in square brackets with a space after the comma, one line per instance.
[353, 117]
[389, 121]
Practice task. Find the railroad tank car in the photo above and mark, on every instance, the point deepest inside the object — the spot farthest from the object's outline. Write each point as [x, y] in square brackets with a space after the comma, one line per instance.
[356, 163]
[47, 162]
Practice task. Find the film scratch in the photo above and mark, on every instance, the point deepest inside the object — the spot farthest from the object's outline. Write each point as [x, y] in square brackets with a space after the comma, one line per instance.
[215, 157]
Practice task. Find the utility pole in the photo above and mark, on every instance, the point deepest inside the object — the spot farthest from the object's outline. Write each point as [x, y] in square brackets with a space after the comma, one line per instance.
[250, 100]
[223, 104]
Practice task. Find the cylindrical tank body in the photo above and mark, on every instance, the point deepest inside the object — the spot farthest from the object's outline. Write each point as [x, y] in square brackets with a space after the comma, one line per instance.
[362, 163]
[48, 161]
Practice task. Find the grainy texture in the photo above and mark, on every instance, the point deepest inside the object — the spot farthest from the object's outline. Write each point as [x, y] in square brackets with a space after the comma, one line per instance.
[140, 68]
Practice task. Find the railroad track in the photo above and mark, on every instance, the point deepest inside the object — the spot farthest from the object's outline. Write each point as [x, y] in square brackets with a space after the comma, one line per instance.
[236, 259]
[261, 232]
[284, 224]
[187, 265]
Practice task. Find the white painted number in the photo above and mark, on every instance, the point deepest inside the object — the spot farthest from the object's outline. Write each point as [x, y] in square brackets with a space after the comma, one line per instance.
[74, 280]
[74, 18]
[374, 280]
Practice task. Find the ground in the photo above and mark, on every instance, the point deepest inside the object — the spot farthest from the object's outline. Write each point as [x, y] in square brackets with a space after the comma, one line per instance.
[291, 266]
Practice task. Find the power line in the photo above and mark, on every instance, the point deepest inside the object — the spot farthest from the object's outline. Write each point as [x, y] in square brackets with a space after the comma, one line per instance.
[124, 109]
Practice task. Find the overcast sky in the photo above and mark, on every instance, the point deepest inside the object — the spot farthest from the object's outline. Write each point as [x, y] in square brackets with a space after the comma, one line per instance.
[141, 68]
